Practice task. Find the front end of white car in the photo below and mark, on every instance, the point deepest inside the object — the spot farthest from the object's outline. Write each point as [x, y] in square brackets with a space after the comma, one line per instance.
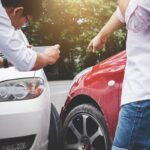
[25, 110]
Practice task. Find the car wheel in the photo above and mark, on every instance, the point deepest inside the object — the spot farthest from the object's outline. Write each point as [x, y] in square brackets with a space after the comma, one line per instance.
[85, 129]
[55, 133]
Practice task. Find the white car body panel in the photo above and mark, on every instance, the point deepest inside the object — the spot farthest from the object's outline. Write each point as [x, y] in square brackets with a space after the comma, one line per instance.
[26, 117]
[11, 73]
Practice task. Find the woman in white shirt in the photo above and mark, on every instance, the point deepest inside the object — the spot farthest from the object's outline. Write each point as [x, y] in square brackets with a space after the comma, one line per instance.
[133, 130]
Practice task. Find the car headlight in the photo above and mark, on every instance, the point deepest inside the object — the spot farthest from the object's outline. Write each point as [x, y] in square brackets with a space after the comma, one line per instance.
[79, 75]
[22, 89]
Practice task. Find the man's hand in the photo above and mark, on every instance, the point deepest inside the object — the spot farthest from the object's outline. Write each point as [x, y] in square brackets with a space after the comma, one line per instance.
[52, 53]
[48, 57]
[98, 42]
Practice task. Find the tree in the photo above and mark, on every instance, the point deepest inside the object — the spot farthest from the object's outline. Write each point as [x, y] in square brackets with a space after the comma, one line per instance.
[72, 24]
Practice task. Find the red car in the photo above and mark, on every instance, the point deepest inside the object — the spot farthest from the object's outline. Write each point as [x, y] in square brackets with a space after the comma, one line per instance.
[90, 113]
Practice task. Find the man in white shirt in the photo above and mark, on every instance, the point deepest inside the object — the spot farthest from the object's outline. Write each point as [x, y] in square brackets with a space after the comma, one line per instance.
[133, 130]
[13, 15]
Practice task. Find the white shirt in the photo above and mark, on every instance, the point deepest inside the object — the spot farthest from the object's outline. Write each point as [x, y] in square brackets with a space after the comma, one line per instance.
[136, 84]
[12, 46]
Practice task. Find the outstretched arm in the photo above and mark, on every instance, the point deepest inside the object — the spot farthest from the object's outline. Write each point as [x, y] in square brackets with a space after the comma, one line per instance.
[115, 22]
[123, 4]
[100, 39]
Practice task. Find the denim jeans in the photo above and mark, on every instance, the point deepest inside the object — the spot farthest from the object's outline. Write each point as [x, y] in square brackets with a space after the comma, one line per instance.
[133, 130]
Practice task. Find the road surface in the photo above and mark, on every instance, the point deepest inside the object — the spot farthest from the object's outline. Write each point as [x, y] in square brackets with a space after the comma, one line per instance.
[59, 91]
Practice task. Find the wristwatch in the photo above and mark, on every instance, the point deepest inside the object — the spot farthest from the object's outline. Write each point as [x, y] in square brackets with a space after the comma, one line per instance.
[5, 63]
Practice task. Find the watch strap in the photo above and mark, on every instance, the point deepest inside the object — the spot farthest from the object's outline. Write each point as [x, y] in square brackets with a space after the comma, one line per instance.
[5, 63]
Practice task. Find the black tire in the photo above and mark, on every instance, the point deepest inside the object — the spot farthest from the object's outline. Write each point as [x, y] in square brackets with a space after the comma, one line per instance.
[95, 137]
[55, 133]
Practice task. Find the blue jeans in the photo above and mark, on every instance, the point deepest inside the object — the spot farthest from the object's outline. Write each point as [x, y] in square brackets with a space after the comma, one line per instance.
[133, 130]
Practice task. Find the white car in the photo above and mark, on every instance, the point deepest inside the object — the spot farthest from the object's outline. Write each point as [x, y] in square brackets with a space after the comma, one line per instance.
[28, 119]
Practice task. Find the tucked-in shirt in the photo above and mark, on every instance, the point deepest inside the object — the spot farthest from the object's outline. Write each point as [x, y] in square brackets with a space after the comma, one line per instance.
[136, 84]
[12, 46]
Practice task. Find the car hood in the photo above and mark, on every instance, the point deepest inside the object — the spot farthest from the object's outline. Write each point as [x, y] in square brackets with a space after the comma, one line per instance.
[11, 73]
[112, 64]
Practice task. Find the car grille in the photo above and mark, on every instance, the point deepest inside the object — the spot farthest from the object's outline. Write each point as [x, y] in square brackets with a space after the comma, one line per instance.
[18, 143]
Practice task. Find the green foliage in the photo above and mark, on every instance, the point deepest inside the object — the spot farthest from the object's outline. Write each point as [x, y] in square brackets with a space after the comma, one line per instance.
[72, 24]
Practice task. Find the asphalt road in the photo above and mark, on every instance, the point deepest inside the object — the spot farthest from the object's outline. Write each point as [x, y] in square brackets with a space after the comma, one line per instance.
[59, 91]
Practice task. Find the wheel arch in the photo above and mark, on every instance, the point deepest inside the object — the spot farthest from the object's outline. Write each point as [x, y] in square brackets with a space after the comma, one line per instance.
[78, 100]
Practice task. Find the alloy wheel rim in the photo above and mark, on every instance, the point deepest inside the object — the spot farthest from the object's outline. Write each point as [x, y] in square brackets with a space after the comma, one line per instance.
[84, 133]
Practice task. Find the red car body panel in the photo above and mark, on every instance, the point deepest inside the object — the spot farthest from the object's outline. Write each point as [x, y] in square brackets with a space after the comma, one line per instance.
[96, 84]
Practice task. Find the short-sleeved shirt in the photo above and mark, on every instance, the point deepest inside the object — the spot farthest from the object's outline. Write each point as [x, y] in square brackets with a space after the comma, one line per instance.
[12, 46]
[136, 84]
